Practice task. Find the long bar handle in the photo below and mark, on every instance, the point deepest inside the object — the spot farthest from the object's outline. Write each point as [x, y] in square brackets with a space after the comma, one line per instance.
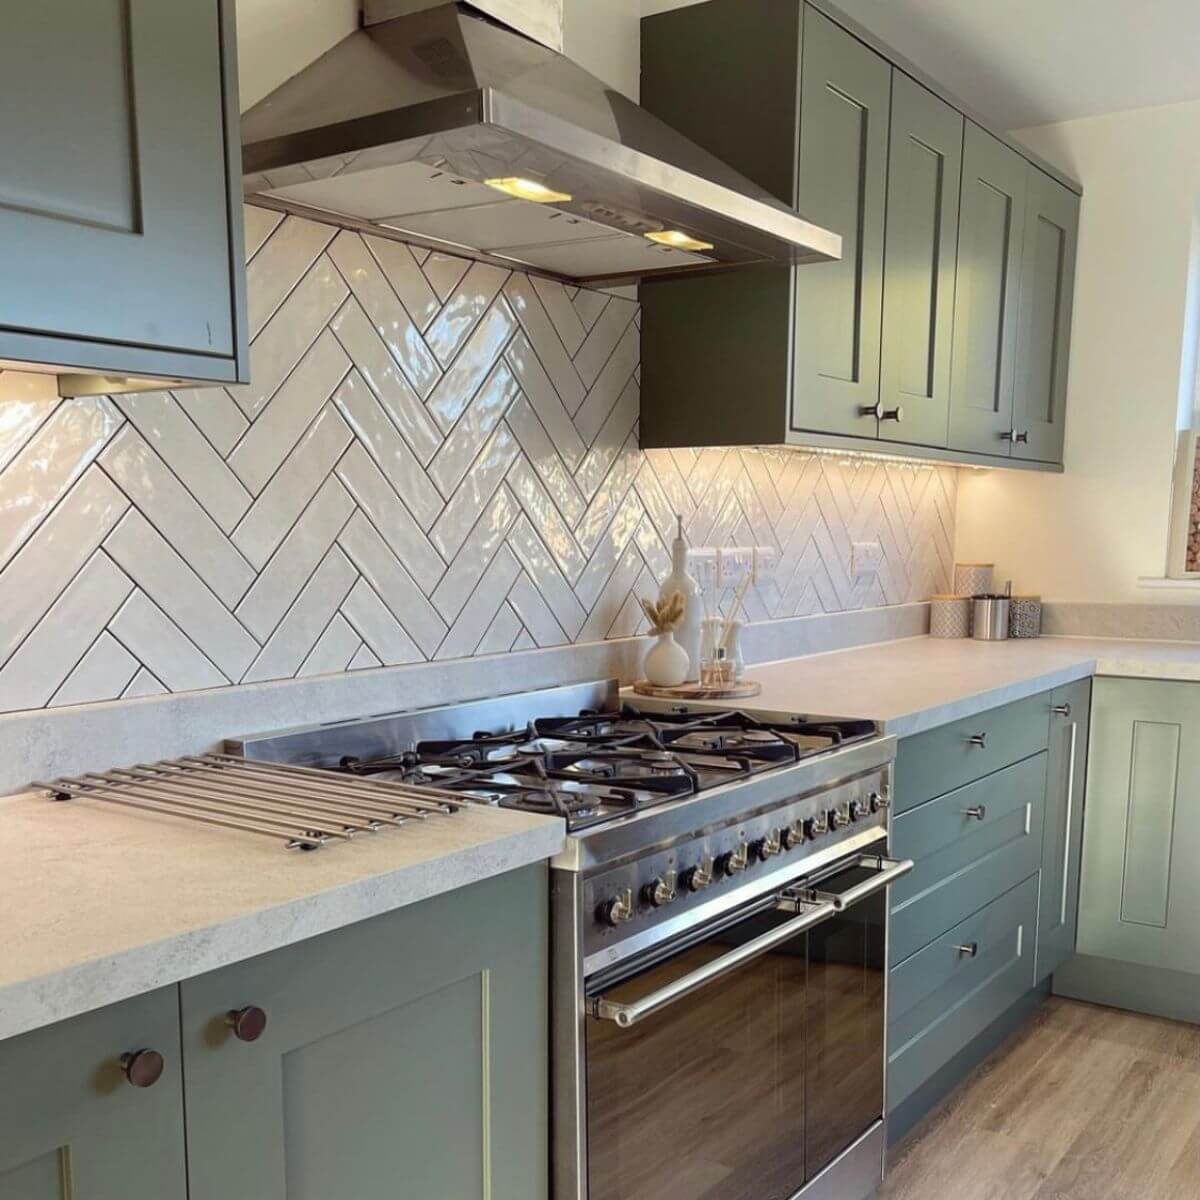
[889, 870]
[626, 1015]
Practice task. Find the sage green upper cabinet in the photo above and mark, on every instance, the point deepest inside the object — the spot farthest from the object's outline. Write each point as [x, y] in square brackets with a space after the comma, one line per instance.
[924, 173]
[73, 1126]
[405, 1056]
[991, 225]
[1044, 318]
[120, 211]
[844, 111]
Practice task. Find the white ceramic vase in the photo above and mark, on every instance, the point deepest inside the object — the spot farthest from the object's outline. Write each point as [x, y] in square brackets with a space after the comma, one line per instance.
[666, 662]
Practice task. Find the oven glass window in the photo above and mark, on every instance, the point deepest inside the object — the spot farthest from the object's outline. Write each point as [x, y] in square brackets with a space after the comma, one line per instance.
[705, 1098]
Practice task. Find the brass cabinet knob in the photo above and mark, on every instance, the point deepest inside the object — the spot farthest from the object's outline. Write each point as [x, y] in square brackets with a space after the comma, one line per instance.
[970, 950]
[1061, 710]
[978, 811]
[142, 1068]
[248, 1024]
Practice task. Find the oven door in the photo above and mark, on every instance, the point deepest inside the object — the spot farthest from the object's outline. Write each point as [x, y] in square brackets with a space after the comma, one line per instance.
[738, 1062]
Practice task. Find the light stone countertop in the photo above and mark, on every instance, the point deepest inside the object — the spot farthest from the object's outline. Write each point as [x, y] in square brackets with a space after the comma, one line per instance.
[920, 683]
[100, 904]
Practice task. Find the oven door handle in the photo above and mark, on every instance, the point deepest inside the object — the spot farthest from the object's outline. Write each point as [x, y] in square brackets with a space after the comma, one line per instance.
[626, 1015]
[888, 871]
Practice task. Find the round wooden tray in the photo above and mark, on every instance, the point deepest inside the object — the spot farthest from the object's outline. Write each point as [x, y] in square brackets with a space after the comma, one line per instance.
[697, 691]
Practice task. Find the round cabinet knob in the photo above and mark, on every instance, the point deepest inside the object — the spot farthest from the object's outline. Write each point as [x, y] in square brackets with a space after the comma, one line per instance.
[884, 414]
[766, 848]
[1061, 710]
[143, 1068]
[618, 910]
[793, 835]
[697, 878]
[978, 740]
[248, 1024]
[660, 891]
[734, 862]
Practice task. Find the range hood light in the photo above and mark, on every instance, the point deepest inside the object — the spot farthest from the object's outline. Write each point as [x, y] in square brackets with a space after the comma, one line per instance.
[528, 189]
[677, 240]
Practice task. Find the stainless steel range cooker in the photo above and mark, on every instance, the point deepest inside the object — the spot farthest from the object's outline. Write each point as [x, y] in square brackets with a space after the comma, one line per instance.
[719, 929]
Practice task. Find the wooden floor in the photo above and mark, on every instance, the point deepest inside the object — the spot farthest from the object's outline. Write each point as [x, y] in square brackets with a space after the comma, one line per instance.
[1085, 1103]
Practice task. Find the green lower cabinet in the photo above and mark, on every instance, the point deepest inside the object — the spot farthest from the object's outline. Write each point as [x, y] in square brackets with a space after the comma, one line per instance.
[72, 1126]
[405, 1056]
[1062, 836]
[1139, 936]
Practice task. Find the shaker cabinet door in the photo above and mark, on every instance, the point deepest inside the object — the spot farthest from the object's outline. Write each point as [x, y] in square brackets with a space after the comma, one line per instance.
[925, 167]
[991, 225]
[1044, 321]
[1062, 833]
[114, 201]
[844, 105]
[402, 1056]
[73, 1127]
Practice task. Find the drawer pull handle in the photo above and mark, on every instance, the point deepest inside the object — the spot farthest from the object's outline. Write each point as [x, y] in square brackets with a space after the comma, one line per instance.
[978, 811]
[247, 1024]
[1061, 710]
[979, 740]
[143, 1068]
[970, 950]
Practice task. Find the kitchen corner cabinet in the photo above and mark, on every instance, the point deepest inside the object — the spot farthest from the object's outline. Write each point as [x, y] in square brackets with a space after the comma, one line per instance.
[73, 1126]
[1062, 836]
[120, 194]
[1139, 939]
[404, 1056]
[942, 332]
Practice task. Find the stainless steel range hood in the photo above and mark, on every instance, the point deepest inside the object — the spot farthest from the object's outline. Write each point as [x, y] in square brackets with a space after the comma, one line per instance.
[445, 128]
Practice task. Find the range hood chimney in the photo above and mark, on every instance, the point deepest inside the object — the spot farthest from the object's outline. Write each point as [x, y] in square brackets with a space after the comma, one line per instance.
[443, 127]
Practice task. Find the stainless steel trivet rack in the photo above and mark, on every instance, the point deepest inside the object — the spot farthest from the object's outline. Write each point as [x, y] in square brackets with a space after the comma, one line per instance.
[302, 806]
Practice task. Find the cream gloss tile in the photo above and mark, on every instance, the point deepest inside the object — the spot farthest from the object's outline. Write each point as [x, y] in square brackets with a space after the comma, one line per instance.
[334, 650]
[292, 488]
[279, 265]
[477, 289]
[50, 463]
[59, 547]
[385, 639]
[296, 635]
[390, 318]
[476, 362]
[143, 684]
[472, 495]
[631, 621]
[103, 673]
[386, 381]
[52, 651]
[407, 279]
[501, 633]
[546, 343]
[161, 421]
[26, 400]
[589, 305]
[535, 613]
[290, 412]
[306, 544]
[617, 427]
[611, 597]
[612, 380]
[482, 606]
[659, 508]
[524, 641]
[408, 604]
[174, 512]
[215, 414]
[610, 547]
[259, 224]
[614, 325]
[561, 312]
[161, 647]
[167, 579]
[388, 449]
[491, 402]
[544, 514]
[609, 498]
[545, 448]
[546, 576]
[391, 519]
[477, 550]
[443, 272]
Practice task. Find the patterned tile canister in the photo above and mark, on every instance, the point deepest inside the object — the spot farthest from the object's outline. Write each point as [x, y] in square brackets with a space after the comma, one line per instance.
[950, 617]
[1025, 617]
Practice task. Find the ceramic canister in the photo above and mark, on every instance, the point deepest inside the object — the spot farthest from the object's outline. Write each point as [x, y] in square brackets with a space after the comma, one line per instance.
[950, 617]
[1025, 617]
[973, 579]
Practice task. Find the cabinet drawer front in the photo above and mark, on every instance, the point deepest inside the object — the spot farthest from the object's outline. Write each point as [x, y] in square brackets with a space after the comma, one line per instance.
[963, 861]
[945, 758]
[943, 997]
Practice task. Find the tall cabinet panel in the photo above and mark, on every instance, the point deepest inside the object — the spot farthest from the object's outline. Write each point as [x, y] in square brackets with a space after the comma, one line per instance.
[991, 225]
[844, 110]
[924, 172]
[1044, 323]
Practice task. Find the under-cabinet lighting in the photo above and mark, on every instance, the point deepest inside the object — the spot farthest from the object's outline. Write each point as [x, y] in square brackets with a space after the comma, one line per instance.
[528, 189]
[677, 240]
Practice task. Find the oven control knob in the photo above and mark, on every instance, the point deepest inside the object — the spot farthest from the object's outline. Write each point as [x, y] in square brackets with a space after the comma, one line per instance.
[735, 861]
[839, 818]
[697, 878]
[815, 827]
[766, 848]
[859, 809]
[793, 835]
[878, 801]
[619, 909]
[660, 891]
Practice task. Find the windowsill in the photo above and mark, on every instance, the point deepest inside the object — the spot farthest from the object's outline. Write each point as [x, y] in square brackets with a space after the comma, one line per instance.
[1160, 583]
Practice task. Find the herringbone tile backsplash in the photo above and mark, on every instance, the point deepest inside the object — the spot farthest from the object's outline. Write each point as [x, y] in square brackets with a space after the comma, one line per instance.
[435, 459]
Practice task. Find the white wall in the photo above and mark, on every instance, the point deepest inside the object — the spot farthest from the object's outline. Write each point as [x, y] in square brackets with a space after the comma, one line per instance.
[1090, 533]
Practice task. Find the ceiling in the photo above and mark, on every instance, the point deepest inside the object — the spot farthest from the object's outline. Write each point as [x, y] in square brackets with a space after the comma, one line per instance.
[1031, 62]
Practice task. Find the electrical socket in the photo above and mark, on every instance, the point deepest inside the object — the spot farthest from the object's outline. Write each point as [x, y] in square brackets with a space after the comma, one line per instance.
[702, 565]
[865, 558]
[733, 565]
[765, 561]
